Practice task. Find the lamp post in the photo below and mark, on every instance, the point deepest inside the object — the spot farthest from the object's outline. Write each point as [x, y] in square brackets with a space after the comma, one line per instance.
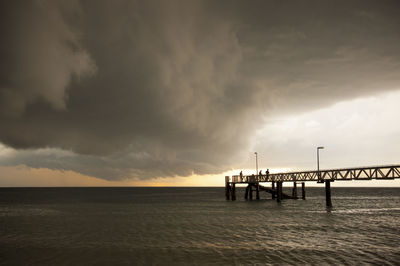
[327, 182]
[319, 174]
[257, 179]
[256, 163]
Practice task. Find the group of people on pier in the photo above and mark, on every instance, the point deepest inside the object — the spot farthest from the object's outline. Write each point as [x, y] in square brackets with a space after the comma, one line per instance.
[259, 174]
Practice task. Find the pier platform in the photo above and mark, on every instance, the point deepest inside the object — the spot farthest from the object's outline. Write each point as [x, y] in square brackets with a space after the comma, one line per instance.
[386, 172]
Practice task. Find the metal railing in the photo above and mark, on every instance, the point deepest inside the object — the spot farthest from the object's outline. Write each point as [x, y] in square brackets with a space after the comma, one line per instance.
[356, 173]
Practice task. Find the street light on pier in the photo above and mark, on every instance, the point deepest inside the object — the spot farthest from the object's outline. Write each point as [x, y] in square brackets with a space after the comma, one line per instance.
[319, 174]
[257, 179]
[256, 163]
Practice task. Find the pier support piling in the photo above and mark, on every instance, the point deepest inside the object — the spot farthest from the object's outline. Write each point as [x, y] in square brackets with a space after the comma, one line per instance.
[294, 191]
[279, 191]
[303, 190]
[228, 192]
[233, 192]
[273, 190]
[251, 191]
[257, 192]
[328, 193]
[227, 188]
[246, 193]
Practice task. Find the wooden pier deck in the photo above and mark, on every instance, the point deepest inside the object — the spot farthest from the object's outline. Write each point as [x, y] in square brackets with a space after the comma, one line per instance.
[386, 172]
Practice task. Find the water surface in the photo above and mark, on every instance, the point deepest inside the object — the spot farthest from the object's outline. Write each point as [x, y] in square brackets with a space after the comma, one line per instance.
[196, 226]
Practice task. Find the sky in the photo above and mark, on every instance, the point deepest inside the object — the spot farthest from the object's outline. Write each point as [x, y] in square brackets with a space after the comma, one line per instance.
[182, 93]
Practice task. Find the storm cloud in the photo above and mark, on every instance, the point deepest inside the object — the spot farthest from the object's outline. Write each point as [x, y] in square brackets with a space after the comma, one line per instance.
[143, 89]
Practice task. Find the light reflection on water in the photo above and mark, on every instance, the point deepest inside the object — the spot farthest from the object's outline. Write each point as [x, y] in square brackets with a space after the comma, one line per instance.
[182, 226]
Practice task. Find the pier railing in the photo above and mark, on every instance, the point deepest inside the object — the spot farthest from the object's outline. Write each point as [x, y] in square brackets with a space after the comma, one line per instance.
[341, 174]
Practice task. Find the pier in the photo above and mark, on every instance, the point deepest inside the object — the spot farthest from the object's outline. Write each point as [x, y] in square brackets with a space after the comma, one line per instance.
[273, 182]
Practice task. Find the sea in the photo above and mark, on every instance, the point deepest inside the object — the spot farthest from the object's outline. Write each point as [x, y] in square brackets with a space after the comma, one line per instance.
[197, 226]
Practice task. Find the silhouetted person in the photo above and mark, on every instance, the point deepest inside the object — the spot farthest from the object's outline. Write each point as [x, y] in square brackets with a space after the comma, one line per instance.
[260, 173]
[241, 175]
[267, 173]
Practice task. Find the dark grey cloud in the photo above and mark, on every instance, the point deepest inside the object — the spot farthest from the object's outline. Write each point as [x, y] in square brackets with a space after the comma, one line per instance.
[162, 88]
[40, 53]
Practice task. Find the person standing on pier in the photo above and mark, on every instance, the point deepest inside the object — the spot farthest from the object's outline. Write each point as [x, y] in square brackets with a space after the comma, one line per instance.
[267, 173]
[241, 176]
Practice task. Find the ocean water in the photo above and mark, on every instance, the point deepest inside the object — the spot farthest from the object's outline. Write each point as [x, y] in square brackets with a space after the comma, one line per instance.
[197, 226]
